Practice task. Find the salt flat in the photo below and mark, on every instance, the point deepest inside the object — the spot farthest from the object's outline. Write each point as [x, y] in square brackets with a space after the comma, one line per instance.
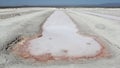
[28, 25]
[61, 42]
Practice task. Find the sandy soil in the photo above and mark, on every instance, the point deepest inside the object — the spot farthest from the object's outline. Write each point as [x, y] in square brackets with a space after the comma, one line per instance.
[15, 28]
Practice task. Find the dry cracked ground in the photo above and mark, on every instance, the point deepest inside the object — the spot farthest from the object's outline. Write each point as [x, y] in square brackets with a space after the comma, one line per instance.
[60, 38]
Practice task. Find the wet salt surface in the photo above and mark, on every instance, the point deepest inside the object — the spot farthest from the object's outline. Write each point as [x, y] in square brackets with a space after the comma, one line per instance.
[60, 41]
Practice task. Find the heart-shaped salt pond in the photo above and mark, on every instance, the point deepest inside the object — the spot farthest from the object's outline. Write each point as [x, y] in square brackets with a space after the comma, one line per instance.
[60, 41]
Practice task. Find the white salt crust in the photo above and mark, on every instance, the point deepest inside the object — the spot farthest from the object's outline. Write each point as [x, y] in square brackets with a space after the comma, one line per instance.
[60, 38]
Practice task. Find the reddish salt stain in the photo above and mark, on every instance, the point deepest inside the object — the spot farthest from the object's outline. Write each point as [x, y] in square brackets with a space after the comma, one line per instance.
[60, 41]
